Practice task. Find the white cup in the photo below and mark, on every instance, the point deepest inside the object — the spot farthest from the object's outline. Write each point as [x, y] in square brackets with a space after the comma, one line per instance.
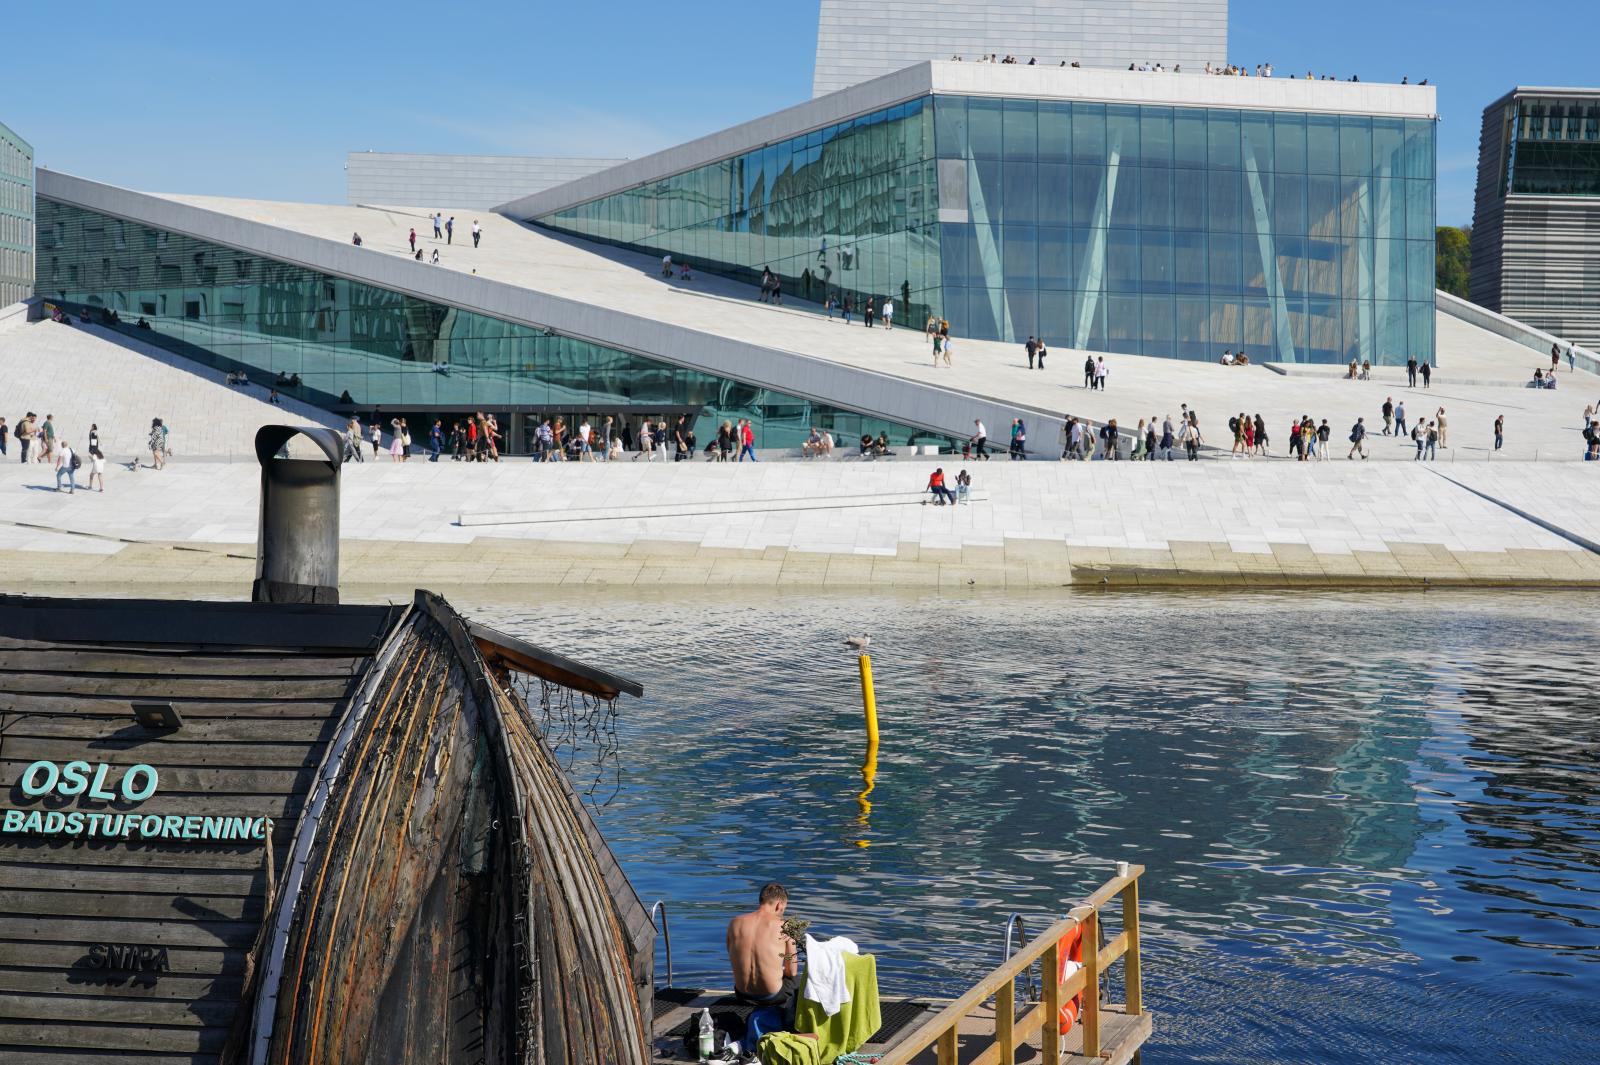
[1122, 869]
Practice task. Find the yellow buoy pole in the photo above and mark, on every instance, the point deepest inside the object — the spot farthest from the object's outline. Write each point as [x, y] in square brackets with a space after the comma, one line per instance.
[869, 702]
[869, 767]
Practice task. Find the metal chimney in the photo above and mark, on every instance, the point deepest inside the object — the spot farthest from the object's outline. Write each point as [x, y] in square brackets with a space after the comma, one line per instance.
[297, 546]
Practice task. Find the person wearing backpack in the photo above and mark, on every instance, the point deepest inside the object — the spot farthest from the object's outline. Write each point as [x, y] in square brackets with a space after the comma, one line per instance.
[67, 463]
[1358, 437]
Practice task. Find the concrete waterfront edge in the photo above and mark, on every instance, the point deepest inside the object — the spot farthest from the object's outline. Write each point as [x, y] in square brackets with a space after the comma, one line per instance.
[376, 566]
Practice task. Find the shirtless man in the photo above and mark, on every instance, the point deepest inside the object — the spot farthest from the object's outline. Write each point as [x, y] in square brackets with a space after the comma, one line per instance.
[764, 960]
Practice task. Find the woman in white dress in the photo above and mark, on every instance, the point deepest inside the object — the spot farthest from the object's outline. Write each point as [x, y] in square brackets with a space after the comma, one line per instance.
[397, 444]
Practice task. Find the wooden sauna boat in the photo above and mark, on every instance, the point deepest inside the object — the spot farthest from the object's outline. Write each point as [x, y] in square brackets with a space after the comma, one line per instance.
[299, 833]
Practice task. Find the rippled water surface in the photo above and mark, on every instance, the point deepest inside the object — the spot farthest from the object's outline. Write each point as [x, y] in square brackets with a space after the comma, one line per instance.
[1369, 821]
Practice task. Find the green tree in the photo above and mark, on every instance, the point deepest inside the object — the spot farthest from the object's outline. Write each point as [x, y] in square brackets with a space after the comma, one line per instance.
[1452, 261]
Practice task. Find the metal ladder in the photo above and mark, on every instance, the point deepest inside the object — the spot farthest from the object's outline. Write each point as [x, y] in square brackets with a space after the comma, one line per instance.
[664, 927]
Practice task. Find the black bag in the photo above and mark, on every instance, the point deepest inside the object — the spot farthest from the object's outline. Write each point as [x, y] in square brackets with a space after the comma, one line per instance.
[77, 463]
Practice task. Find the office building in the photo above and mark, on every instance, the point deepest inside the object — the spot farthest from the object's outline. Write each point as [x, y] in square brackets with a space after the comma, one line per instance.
[16, 218]
[1536, 218]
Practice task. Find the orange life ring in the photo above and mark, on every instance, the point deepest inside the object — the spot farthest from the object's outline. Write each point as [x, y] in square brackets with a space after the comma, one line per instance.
[1071, 952]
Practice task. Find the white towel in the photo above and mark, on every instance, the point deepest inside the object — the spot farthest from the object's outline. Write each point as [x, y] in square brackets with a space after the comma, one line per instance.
[825, 983]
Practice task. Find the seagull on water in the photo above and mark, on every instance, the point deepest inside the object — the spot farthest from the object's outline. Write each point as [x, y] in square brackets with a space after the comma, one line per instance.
[860, 643]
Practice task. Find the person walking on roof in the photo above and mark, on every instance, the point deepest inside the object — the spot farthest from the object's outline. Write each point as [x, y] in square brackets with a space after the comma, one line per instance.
[434, 218]
[450, 230]
[888, 313]
[747, 441]
[477, 232]
[413, 240]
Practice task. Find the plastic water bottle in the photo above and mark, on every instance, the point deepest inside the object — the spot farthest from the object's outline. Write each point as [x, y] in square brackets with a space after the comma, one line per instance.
[707, 1035]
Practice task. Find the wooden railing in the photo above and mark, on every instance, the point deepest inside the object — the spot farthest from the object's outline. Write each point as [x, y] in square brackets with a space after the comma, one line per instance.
[1011, 1030]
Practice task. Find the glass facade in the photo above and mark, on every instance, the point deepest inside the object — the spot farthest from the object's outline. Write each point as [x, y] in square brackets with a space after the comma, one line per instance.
[849, 209]
[354, 345]
[1554, 147]
[1163, 231]
[16, 218]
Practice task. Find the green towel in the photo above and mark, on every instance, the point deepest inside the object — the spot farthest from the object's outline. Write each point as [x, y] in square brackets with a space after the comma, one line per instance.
[856, 1021]
[786, 1048]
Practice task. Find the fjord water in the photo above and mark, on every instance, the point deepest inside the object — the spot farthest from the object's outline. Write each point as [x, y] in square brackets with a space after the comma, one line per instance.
[1369, 820]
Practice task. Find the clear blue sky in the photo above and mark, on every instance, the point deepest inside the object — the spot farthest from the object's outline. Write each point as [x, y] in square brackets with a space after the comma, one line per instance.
[233, 100]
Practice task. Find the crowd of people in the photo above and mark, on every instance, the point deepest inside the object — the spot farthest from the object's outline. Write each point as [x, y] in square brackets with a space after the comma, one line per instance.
[1235, 70]
[43, 443]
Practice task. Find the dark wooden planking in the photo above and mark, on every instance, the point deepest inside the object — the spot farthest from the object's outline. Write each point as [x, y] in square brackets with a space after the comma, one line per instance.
[119, 877]
[197, 730]
[102, 1010]
[48, 957]
[246, 705]
[177, 904]
[152, 749]
[68, 980]
[152, 856]
[85, 1036]
[188, 932]
[161, 688]
[162, 662]
[39, 1056]
[130, 622]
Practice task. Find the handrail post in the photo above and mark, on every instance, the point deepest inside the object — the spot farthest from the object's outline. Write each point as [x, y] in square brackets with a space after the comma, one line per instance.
[1091, 984]
[1130, 925]
[665, 928]
[1005, 1020]
[1051, 1032]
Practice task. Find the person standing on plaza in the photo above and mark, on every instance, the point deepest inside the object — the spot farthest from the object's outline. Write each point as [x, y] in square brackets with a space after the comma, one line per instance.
[158, 444]
[477, 232]
[1019, 440]
[1032, 347]
[4, 432]
[435, 440]
[1411, 372]
[1499, 430]
[1433, 441]
[1088, 371]
[1444, 435]
[1324, 435]
[97, 468]
[450, 230]
[1427, 374]
[938, 349]
[944, 348]
[434, 218]
[888, 313]
[1261, 437]
[1555, 357]
[25, 436]
[1167, 439]
[413, 240]
[869, 313]
[1191, 439]
[353, 440]
[585, 442]
[66, 466]
[1358, 438]
[1400, 418]
[1042, 353]
[1419, 436]
[980, 440]
[1101, 372]
[47, 438]
[847, 305]
[747, 441]
[1388, 414]
[396, 447]
[377, 437]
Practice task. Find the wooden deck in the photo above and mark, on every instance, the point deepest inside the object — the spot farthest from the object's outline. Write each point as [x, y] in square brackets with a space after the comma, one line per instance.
[1121, 1035]
[989, 1025]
